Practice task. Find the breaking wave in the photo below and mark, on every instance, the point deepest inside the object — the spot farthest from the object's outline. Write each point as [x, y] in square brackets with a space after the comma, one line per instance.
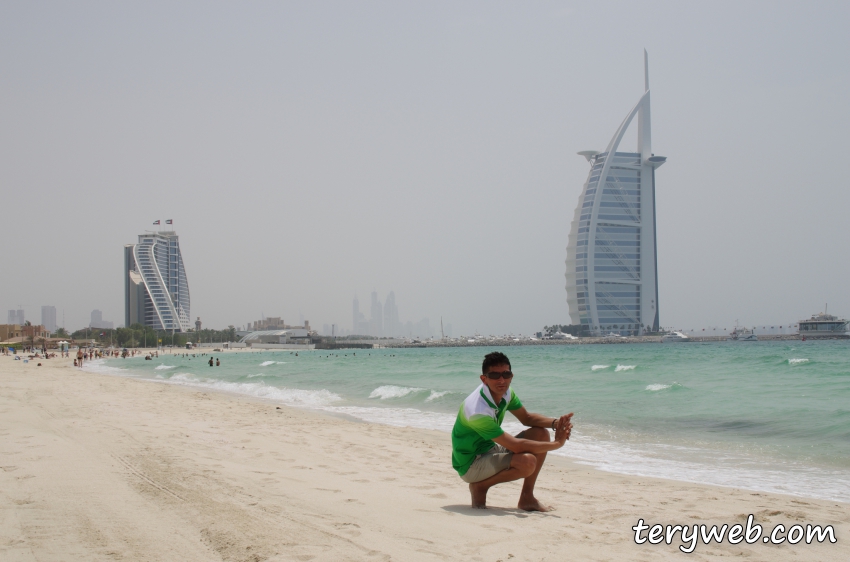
[387, 392]
[436, 395]
[289, 396]
[657, 387]
[98, 366]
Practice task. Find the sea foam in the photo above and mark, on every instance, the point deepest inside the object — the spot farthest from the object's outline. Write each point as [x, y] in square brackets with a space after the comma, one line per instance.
[398, 417]
[99, 366]
[657, 387]
[436, 395]
[797, 361]
[267, 363]
[389, 391]
[164, 367]
[624, 368]
[688, 464]
[289, 396]
[599, 367]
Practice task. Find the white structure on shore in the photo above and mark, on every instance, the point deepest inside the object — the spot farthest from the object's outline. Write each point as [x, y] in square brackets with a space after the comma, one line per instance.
[156, 292]
[612, 267]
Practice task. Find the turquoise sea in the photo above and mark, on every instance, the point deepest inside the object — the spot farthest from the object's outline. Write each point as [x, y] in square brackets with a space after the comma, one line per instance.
[769, 416]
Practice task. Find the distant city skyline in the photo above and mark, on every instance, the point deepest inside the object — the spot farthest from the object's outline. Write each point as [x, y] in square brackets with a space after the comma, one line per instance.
[384, 320]
[309, 151]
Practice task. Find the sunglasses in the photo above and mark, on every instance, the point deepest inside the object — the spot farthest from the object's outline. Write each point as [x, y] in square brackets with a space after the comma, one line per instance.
[503, 375]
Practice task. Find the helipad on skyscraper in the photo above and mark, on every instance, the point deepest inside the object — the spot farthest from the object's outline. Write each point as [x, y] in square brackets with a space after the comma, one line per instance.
[612, 264]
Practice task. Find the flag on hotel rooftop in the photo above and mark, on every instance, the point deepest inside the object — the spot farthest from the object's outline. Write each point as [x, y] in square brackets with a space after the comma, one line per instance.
[156, 222]
[169, 221]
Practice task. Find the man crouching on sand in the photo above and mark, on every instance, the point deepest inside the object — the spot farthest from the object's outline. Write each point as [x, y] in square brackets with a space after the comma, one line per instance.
[484, 455]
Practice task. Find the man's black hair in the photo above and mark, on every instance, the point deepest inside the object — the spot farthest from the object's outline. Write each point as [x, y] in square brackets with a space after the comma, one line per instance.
[493, 359]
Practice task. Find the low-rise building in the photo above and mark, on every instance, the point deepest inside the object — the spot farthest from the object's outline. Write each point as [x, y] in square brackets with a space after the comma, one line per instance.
[275, 323]
[291, 336]
[13, 332]
[36, 332]
[8, 332]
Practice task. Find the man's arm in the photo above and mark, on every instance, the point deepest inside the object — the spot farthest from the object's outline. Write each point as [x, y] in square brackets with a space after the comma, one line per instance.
[530, 419]
[563, 427]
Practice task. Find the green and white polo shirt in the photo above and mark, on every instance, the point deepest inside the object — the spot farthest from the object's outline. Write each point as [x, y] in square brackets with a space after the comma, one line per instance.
[478, 422]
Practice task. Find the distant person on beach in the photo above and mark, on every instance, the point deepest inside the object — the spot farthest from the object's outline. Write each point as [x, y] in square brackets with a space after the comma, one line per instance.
[217, 363]
[80, 357]
[484, 455]
[211, 362]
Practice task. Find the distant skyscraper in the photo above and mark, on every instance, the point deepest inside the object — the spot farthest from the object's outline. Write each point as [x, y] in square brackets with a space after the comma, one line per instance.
[358, 320]
[612, 266]
[48, 318]
[391, 325]
[97, 320]
[16, 317]
[377, 320]
[156, 292]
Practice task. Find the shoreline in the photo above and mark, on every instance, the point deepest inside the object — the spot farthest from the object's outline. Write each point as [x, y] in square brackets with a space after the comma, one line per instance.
[597, 341]
[101, 467]
[598, 453]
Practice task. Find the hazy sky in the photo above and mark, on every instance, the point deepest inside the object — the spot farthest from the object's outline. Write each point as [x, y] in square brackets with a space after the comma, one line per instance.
[310, 151]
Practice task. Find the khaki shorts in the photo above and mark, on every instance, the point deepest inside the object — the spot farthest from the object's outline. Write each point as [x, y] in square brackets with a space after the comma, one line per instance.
[492, 462]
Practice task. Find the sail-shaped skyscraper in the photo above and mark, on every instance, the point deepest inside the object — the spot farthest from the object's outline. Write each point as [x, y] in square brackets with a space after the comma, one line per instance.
[612, 265]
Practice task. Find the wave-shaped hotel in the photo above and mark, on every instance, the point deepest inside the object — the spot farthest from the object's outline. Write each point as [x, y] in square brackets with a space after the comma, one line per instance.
[612, 264]
[156, 292]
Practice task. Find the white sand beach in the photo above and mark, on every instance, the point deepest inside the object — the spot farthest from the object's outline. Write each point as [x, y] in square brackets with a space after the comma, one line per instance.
[100, 467]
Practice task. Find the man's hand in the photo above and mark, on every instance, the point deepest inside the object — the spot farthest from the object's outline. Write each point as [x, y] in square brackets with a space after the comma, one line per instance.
[563, 428]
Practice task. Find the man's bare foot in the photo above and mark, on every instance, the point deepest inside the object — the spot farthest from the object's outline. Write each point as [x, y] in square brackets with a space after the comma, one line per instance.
[479, 495]
[531, 504]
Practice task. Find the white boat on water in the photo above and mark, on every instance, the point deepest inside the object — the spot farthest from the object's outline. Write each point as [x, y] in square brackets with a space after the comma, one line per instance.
[742, 334]
[674, 337]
